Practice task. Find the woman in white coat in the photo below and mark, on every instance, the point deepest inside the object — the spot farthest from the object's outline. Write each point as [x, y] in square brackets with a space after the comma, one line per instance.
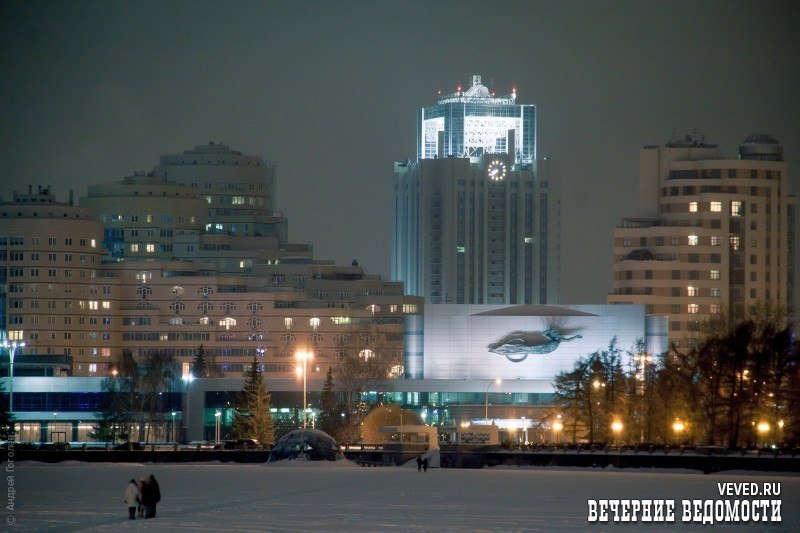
[132, 499]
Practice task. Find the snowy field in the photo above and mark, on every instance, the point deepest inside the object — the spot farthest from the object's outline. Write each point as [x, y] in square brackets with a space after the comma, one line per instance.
[304, 496]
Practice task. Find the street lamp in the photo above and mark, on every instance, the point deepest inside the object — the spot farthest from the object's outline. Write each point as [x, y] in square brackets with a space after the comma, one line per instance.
[616, 427]
[558, 426]
[12, 350]
[678, 426]
[498, 381]
[187, 380]
[217, 415]
[763, 429]
[304, 356]
[173, 427]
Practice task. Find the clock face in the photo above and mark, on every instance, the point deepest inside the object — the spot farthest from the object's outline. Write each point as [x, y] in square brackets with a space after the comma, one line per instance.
[496, 170]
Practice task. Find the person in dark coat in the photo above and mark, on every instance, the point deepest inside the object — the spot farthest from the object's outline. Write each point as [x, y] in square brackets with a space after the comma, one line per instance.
[142, 482]
[425, 464]
[419, 463]
[147, 497]
[155, 495]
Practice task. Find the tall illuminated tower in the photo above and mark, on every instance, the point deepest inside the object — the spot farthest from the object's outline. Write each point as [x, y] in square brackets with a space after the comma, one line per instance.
[476, 216]
[475, 122]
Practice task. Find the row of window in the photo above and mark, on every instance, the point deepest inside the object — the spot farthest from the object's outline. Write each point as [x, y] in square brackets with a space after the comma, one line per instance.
[716, 173]
[51, 241]
[149, 219]
[36, 256]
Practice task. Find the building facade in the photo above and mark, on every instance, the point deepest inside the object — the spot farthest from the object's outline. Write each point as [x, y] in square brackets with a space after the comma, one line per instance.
[192, 254]
[714, 234]
[476, 216]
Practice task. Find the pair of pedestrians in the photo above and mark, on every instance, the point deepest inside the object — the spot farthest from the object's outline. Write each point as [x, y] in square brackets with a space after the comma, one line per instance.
[422, 464]
[144, 496]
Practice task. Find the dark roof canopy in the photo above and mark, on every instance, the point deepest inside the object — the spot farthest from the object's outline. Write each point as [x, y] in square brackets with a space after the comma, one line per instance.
[534, 310]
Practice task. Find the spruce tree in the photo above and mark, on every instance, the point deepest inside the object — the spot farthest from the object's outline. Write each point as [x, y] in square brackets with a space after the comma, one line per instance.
[251, 417]
[328, 419]
[200, 368]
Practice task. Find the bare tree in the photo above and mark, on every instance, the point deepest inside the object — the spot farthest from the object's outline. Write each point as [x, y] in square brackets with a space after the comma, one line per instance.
[368, 355]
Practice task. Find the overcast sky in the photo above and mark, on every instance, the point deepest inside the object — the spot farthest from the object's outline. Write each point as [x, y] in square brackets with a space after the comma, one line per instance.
[91, 91]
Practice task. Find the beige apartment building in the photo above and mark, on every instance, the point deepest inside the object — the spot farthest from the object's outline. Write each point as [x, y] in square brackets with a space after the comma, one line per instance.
[152, 265]
[713, 235]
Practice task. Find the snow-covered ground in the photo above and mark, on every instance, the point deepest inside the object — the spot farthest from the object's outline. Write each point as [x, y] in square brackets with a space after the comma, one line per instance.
[306, 496]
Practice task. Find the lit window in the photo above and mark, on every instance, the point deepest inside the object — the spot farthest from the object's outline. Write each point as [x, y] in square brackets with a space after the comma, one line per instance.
[151, 248]
[692, 309]
[134, 247]
[92, 368]
[314, 322]
[715, 240]
[713, 274]
[692, 291]
[106, 304]
[716, 207]
[410, 308]
[736, 242]
[693, 240]
[714, 309]
[93, 304]
[693, 207]
[715, 292]
[288, 322]
[736, 208]
[149, 218]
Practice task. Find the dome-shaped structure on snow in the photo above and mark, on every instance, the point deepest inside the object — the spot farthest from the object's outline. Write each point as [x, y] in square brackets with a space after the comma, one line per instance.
[316, 445]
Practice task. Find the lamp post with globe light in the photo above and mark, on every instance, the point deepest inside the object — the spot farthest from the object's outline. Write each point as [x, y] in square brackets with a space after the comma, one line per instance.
[678, 427]
[498, 381]
[12, 350]
[616, 427]
[304, 356]
[557, 427]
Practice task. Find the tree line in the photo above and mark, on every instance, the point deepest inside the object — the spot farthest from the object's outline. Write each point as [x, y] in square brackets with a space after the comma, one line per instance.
[736, 385]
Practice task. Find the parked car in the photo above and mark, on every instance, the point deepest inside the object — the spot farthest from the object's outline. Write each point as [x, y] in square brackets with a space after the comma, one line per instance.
[239, 444]
[203, 444]
[55, 446]
[129, 446]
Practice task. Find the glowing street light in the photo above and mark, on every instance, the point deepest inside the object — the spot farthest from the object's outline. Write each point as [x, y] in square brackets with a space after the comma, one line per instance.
[678, 427]
[498, 381]
[557, 426]
[304, 356]
[12, 350]
[616, 427]
[187, 381]
[217, 416]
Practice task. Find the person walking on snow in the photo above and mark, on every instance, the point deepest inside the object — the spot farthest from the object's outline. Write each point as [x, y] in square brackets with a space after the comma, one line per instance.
[132, 499]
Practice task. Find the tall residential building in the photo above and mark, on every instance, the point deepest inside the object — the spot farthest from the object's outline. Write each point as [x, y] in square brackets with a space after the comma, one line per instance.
[714, 235]
[476, 216]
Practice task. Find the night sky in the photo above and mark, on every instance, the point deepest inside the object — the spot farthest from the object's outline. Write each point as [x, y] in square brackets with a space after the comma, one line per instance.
[92, 91]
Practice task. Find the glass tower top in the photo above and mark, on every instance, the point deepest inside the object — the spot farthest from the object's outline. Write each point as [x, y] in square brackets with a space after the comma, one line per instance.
[475, 122]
